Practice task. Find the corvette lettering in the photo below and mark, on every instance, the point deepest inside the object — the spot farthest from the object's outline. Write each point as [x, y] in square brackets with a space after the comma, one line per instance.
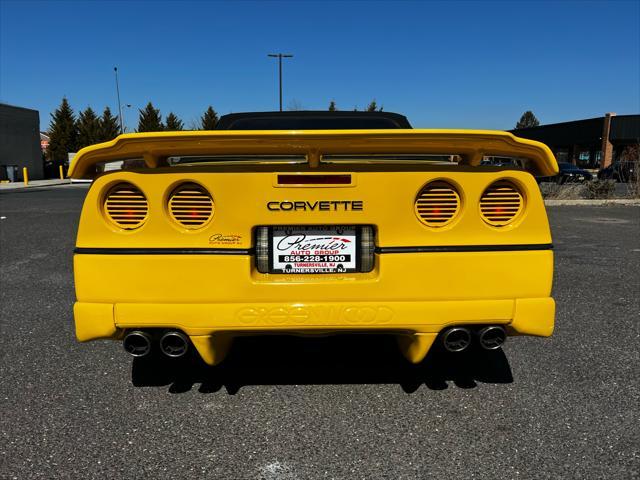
[318, 205]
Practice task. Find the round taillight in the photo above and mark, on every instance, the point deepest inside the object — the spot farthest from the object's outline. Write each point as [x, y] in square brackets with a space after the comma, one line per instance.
[191, 206]
[501, 203]
[437, 204]
[126, 206]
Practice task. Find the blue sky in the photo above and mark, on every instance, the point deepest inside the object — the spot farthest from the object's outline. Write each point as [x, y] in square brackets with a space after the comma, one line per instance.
[443, 64]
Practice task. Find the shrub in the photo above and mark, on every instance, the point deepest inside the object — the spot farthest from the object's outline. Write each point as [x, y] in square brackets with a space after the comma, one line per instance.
[600, 189]
[631, 155]
[568, 191]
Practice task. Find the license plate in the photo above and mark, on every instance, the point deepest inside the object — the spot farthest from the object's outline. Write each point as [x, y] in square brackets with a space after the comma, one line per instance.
[313, 249]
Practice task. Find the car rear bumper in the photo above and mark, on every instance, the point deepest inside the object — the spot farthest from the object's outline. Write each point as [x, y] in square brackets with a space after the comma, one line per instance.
[212, 326]
[213, 298]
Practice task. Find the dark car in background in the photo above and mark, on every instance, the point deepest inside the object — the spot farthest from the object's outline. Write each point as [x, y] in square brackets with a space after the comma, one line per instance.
[505, 162]
[569, 173]
[620, 172]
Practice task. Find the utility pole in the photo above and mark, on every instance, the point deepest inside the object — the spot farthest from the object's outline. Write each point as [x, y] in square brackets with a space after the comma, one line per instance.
[280, 56]
[115, 69]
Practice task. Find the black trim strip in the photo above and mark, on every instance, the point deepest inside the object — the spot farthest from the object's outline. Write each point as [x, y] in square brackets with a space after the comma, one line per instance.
[163, 251]
[465, 248]
[251, 251]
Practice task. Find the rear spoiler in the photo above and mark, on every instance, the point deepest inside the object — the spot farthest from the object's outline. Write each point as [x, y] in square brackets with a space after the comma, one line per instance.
[471, 145]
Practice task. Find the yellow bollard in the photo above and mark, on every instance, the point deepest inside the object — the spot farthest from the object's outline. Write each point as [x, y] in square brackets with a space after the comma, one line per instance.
[25, 175]
[61, 173]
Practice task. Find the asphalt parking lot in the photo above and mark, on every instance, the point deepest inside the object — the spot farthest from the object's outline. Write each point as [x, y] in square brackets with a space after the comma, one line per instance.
[301, 408]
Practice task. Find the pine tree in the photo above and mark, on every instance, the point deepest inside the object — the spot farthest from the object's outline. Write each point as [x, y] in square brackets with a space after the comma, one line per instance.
[109, 126]
[62, 133]
[173, 123]
[88, 125]
[373, 107]
[210, 119]
[527, 120]
[150, 119]
[332, 106]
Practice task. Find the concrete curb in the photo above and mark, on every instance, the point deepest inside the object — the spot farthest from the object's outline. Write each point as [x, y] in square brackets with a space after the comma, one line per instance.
[8, 187]
[609, 201]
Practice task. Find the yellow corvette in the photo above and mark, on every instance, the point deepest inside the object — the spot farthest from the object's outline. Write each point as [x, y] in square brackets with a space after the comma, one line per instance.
[207, 235]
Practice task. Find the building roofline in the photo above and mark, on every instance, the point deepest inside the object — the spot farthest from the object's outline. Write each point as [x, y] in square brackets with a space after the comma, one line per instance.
[2, 104]
[556, 124]
[572, 121]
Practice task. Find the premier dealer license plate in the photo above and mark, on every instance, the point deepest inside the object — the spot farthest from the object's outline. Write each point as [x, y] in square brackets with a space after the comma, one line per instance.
[313, 249]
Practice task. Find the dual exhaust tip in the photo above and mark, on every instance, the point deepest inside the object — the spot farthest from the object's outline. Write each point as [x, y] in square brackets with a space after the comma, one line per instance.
[457, 339]
[175, 344]
[139, 343]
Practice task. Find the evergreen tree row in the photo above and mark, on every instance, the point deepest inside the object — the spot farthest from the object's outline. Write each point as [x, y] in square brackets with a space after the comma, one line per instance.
[69, 134]
[150, 120]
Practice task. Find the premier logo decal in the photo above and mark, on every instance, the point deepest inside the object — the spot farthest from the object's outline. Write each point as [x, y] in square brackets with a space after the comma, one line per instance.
[318, 205]
[320, 245]
[225, 239]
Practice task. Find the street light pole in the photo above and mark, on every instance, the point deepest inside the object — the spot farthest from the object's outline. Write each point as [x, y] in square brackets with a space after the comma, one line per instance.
[124, 120]
[280, 56]
[115, 69]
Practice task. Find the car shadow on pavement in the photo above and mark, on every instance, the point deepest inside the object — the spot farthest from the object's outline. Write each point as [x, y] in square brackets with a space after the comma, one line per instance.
[331, 360]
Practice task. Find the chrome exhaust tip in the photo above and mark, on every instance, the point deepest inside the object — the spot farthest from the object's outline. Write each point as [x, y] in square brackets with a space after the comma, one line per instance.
[174, 344]
[137, 343]
[456, 339]
[492, 338]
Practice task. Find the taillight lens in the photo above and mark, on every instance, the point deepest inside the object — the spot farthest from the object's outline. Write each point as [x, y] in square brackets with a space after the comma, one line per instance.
[262, 249]
[501, 203]
[126, 206]
[367, 248]
[191, 206]
[437, 204]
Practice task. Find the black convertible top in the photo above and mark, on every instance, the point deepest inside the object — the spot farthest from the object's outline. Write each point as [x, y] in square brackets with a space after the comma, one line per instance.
[312, 120]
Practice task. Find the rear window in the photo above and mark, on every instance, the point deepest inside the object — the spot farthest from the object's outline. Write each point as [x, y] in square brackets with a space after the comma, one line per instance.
[312, 120]
[312, 124]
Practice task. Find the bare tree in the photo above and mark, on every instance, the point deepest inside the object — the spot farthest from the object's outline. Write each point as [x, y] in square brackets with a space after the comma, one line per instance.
[294, 105]
[631, 169]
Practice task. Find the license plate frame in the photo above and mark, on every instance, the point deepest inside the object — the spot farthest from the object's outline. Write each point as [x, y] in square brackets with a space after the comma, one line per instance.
[307, 263]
